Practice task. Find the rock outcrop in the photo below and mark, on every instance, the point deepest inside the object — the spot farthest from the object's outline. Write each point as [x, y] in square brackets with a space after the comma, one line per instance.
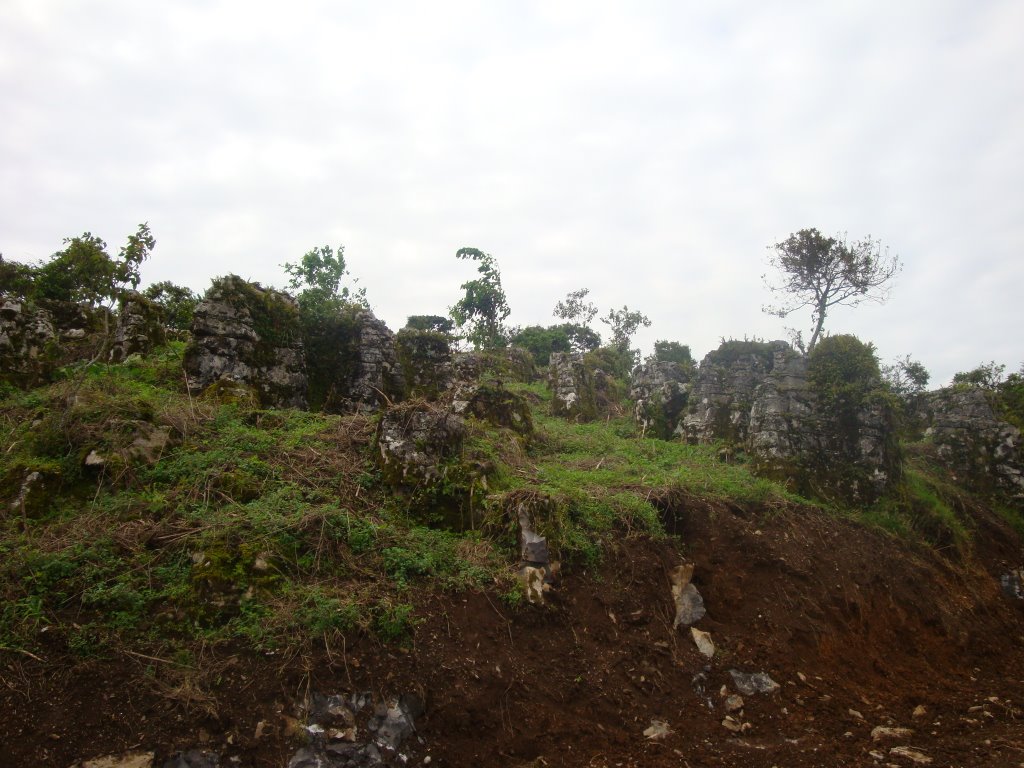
[378, 377]
[28, 340]
[757, 396]
[572, 387]
[140, 327]
[982, 451]
[248, 335]
[660, 391]
[426, 360]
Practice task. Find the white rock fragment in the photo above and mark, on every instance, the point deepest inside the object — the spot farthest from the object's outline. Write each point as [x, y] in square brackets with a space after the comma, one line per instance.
[880, 732]
[703, 642]
[658, 729]
[911, 754]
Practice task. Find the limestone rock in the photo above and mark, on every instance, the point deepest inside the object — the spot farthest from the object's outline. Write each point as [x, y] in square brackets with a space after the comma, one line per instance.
[658, 729]
[703, 642]
[415, 439]
[982, 451]
[880, 732]
[378, 375]
[660, 391]
[749, 683]
[140, 327]
[126, 760]
[913, 755]
[245, 334]
[28, 340]
[688, 601]
[426, 361]
[194, 758]
[572, 387]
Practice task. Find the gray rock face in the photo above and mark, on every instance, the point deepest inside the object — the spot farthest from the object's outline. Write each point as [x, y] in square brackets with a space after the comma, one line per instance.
[140, 327]
[762, 401]
[426, 359]
[378, 376]
[571, 385]
[249, 335]
[415, 441]
[749, 683]
[723, 393]
[981, 450]
[660, 391]
[27, 343]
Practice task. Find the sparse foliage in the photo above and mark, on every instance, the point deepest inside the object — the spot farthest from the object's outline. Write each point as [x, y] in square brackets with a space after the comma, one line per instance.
[821, 272]
[906, 376]
[481, 313]
[575, 309]
[987, 375]
[317, 279]
[624, 323]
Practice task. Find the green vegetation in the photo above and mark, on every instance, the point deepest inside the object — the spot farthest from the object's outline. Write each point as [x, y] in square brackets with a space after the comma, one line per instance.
[481, 313]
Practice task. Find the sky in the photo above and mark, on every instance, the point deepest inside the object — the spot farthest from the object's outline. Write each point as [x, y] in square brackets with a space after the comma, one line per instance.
[648, 151]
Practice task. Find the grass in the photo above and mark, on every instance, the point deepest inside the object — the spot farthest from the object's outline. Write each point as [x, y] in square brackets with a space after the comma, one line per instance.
[274, 528]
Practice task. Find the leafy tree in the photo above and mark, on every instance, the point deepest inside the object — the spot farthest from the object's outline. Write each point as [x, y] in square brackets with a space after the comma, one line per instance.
[673, 352]
[988, 376]
[906, 376]
[179, 303]
[480, 314]
[434, 323]
[575, 309]
[16, 278]
[821, 272]
[540, 342]
[84, 272]
[624, 323]
[844, 370]
[317, 280]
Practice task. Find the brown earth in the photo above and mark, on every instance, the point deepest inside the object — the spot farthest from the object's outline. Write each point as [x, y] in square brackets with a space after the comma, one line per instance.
[858, 630]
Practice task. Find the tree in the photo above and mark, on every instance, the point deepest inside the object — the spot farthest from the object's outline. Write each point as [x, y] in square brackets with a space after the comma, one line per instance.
[906, 376]
[821, 272]
[179, 303]
[433, 323]
[317, 279]
[624, 323]
[16, 278]
[575, 310]
[673, 352]
[987, 376]
[84, 271]
[482, 311]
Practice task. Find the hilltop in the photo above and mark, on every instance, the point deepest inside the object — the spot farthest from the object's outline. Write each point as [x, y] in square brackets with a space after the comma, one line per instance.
[255, 545]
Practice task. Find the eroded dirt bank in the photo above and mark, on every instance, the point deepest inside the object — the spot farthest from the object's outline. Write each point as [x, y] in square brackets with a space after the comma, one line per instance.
[857, 630]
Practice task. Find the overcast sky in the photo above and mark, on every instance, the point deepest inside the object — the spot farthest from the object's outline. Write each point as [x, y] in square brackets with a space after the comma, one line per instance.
[649, 151]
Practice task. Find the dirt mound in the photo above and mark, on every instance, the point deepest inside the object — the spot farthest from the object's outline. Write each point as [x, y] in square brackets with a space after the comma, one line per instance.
[858, 631]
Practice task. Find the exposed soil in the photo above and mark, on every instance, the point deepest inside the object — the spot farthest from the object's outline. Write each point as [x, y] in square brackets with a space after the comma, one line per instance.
[856, 628]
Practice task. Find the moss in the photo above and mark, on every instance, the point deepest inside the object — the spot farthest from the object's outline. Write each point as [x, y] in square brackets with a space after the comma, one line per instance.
[332, 357]
[733, 350]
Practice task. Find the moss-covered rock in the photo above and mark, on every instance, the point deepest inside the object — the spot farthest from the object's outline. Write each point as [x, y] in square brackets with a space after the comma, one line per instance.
[251, 335]
[140, 327]
[28, 343]
[426, 360]
[660, 391]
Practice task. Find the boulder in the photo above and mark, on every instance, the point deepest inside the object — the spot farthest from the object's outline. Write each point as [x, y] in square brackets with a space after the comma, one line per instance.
[660, 391]
[140, 327]
[249, 335]
[28, 343]
[426, 361]
[572, 387]
[982, 451]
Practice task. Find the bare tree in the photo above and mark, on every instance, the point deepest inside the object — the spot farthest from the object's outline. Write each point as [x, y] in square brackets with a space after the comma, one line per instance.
[820, 272]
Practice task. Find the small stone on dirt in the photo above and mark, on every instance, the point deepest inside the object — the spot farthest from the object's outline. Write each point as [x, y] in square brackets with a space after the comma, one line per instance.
[749, 683]
[911, 754]
[127, 760]
[658, 729]
[919, 711]
[733, 703]
[703, 642]
[880, 732]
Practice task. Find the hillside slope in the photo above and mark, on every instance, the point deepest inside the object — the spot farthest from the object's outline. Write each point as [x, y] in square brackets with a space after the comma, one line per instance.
[187, 578]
